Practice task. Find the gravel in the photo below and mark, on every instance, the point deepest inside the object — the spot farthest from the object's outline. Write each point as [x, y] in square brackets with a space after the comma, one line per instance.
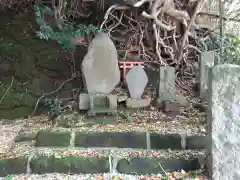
[27, 148]
[8, 132]
[191, 124]
[106, 176]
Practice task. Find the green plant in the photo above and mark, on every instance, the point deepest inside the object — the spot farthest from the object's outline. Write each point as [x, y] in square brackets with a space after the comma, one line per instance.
[233, 50]
[54, 106]
[64, 33]
[9, 177]
[231, 46]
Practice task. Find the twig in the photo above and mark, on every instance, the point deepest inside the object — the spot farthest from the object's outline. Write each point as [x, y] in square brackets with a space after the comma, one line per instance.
[73, 97]
[142, 45]
[194, 47]
[115, 6]
[117, 24]
[107, 14]
[159, 23]
[73, 66]
[7, 90]
[50, 93]
[162, 169]
[32, 27]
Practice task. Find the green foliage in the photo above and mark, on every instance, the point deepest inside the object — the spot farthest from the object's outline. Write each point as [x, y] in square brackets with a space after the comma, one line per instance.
[64, 34]
[233, 50]
[129, 118]
[9, 177]
[54, 106]
[231, 46]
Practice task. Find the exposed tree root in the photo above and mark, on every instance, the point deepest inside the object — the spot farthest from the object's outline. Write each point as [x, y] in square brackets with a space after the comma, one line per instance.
[165, 35]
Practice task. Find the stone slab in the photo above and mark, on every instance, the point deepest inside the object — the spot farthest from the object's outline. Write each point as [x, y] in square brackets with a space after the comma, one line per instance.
[53, 139]
[111, 139]
[41, 164]
[26, 136]
[69, 164]
[197, 142]
[206, 62]
[149, 166]
[159, 141]
[136, 80]
[100, 65]
[224, 122]
[137, 103]
[16, 165]
[120, 140]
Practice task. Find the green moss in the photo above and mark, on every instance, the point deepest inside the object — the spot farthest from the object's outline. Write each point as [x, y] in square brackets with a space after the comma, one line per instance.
[17, 95]
[73, 164]
[53, 139]
[16, 42]
[3, 161]
[22, 53]
[15, 112]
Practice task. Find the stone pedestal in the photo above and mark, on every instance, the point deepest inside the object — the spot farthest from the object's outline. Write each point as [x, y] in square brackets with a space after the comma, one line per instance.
[224, 122]
[97, 103]
[206, 62]
[101, 104]
[83, 101]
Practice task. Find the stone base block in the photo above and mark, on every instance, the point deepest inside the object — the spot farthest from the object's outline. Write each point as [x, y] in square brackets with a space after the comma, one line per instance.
[102, 104]
[84, 101]
[137, 103]
[122, 98]
[113, 99]
[178, 100]
[171, 108]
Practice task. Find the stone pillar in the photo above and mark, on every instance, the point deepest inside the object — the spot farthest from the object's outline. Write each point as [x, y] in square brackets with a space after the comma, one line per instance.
[206, 62]
[224, 122]
[167, 89]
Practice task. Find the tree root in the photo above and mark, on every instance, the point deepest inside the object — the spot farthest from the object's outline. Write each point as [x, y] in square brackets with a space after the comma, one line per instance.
[165, 35]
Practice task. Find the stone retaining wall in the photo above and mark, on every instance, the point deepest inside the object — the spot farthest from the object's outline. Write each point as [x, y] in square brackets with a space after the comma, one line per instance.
[41, 164]
[139, 140]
